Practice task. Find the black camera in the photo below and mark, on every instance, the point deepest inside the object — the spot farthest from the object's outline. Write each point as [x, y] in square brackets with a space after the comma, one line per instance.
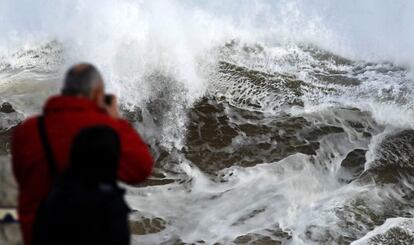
[108, 99]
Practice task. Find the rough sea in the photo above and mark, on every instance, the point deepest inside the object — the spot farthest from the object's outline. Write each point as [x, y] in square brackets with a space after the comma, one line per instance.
[271, 122]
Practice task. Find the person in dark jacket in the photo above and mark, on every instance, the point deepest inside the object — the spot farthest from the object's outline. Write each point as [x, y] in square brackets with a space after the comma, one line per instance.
[81, 104]
[85, 205]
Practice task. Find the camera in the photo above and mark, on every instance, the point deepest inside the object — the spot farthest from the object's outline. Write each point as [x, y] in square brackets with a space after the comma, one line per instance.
[108, 99]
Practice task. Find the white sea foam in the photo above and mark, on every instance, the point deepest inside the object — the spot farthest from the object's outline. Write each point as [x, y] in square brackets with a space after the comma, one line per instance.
[129, 38]
[132, 41]
[403, 225]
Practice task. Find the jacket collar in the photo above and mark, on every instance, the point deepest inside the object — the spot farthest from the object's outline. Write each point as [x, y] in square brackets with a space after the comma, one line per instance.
[62, 103]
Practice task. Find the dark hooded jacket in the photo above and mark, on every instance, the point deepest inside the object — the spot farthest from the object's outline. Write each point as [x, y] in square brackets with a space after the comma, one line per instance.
[85, 205]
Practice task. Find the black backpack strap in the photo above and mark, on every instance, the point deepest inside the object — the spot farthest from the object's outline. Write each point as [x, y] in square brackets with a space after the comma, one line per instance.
[47, 148]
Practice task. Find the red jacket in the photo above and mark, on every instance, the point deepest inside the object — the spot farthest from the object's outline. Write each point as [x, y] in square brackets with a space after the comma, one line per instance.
[64, 117]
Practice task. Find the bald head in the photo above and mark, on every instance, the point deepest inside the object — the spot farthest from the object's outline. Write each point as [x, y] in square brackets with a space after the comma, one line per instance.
[81, 80]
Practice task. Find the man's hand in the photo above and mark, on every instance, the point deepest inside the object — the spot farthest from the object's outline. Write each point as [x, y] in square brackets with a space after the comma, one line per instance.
[112, 108]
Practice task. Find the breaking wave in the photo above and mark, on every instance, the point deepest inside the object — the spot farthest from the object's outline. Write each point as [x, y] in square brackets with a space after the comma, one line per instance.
[272, 122]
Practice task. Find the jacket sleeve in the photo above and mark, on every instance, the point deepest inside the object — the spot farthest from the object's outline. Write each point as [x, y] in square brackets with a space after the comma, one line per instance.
[16, 154]
[136, 161]
[20, 153]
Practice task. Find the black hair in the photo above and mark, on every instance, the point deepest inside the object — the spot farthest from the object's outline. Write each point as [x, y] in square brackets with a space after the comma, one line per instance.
[95, 154]
[80, 79]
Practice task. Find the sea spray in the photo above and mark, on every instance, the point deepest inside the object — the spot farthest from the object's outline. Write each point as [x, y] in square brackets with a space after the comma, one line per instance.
[269, 120]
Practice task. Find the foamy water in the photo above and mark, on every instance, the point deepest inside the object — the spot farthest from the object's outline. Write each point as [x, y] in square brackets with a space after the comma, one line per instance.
[327, 77]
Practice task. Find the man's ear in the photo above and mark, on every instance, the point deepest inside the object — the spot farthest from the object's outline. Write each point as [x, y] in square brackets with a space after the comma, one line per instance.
[97, 96]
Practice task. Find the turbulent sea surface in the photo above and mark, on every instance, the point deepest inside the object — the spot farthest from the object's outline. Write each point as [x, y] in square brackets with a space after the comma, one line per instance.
[271, 122]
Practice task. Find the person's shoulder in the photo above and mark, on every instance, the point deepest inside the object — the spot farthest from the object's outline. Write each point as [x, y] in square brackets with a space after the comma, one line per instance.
[27, 124]
[102, 117]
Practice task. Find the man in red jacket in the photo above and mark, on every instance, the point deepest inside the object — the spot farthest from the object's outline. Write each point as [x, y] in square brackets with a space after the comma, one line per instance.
[81, 104]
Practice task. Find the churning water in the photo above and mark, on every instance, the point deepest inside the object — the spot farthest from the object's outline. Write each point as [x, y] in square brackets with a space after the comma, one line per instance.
[272, 122]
